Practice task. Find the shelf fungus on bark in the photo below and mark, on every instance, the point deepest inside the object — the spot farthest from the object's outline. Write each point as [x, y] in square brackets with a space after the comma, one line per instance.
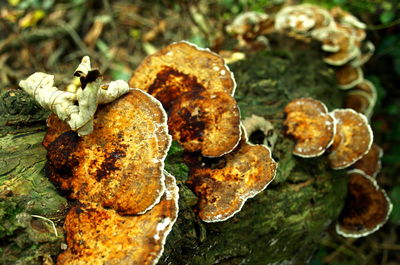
[348, 76]
[352, 140]
[362, 98]
[260, 131]
[366, 209]
[367, 49]
[302, 18]
[78, 107]
[196, 89]
[96, 235]
[205, 121]
[339, 44]
[310, 124]
[119, 165]
[249, 27]
[224, 184]
[370, 163]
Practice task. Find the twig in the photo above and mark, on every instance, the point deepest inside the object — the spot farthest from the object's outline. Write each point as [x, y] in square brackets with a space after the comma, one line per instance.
[48, 220]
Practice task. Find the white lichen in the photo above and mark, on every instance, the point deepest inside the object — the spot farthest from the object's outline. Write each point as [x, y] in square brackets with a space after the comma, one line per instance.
[76, 107]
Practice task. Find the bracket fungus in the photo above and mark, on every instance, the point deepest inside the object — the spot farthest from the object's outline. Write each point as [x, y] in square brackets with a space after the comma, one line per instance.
[362, 98]
[366, 209]
[188, 81]
[75, 108]
[310, 124]
[302, 18]
[370, 163]
[348, 76]
[249, 27]
[353, 138]
[224, 184]
[260, 131]
[119, 165]
[96, 235]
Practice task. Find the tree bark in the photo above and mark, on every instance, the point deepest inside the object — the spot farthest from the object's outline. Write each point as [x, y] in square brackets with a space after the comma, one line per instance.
[281, 225]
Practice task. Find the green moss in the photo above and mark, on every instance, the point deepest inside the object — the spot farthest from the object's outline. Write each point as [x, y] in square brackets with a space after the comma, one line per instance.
[27, 199]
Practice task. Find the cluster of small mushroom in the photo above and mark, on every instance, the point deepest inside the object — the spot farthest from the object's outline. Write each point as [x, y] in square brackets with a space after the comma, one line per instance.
[196, 89]
[342, 37]
[125, 204]
[346, 137]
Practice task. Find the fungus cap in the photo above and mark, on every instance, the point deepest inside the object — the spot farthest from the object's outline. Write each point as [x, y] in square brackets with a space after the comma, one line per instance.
[339, 44]
[119, 165]
[206, 122]
[188, 81]
[367, 49]
[308, 122]
[302, 18]
[224, 184]
[370, 163]
[259, 130]
[249, 25]
[181, 67]
[96, 235]
[345, 18]
[349, 76]
[366, 209]
[352, 140]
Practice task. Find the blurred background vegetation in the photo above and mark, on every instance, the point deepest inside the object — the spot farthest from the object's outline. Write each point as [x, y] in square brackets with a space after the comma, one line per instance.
[52, 36]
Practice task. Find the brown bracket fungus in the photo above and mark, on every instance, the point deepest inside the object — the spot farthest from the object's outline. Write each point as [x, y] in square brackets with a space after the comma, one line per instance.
[370, 163]
[302, 18]
[362, 98]
[249, 27]
[366, 209]
[310, 124]
[96, 235]
[260, 131]
[188, 80]
[353, 138]
[224, 184]
[119, 165]
[339, 44]
[349, 76]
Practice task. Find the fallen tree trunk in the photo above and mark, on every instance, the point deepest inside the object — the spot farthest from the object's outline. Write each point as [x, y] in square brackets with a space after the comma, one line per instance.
[281, 225]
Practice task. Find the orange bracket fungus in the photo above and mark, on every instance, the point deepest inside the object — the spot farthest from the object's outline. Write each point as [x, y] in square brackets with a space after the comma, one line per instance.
[370, 163]
[308, 122]
[224, 184]
[366, 209]
[96, 235]
[353, 138]
[193, 85]
[119, 165]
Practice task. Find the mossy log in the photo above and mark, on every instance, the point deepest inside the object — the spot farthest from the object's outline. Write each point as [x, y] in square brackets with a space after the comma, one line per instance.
[281, 225]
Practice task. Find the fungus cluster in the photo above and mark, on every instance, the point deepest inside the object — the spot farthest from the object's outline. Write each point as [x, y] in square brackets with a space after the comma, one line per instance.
[342, 37]
[124, 202]
[196, 89]
[346, 137]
